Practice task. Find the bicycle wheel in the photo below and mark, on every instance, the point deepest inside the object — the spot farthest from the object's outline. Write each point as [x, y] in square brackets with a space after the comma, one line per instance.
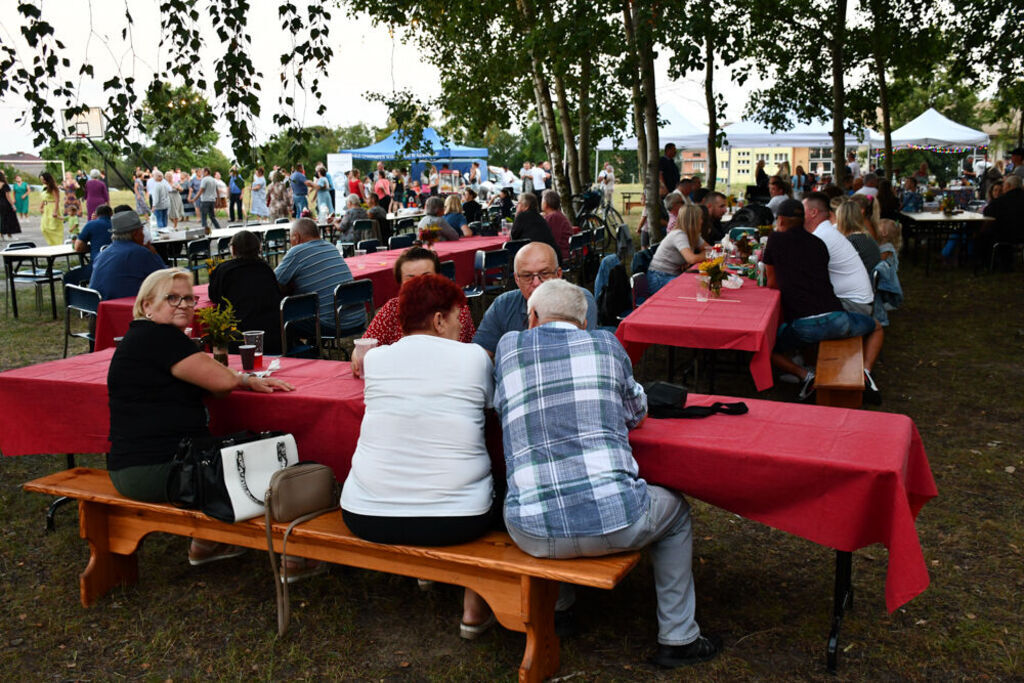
[589, 221]
[612, 221]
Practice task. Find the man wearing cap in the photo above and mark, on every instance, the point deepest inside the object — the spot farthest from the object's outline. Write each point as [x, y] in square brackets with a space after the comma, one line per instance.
[797, 264]
[120, 269]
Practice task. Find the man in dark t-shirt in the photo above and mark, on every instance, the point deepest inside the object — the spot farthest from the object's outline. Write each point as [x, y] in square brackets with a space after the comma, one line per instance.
[796, 263]
[668, 169]
[530, 225]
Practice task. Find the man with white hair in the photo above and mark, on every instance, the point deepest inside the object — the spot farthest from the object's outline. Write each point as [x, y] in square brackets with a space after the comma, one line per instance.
[534, 264]
[161, 197]
[567, 400]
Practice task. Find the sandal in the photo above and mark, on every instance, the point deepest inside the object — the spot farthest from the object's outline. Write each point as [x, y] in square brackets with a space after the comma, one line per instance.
[474, 631]
[203, 552]
[295, 569]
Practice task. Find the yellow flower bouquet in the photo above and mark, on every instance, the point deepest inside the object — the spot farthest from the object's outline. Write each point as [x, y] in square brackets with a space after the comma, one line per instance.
[220, 326]
[714, 271]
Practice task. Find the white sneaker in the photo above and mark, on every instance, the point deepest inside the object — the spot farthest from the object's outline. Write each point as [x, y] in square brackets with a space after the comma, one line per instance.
[808, 387]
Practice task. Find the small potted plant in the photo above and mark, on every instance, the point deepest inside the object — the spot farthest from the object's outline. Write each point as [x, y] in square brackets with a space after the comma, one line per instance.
[712, 272]
[429, 235]
[947, 205]
[221, 328]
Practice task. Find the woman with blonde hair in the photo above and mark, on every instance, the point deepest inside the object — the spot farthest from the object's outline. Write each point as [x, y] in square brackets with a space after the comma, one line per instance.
[850, 223]
[156, 384]
[871, 212]
[453, 214]
[681, 248]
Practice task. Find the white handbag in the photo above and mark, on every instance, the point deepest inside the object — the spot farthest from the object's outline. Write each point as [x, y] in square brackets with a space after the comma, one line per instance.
[248, 467]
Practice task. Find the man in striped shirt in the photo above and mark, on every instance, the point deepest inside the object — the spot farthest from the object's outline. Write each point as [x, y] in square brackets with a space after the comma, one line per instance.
[313, 265]
[567, 400]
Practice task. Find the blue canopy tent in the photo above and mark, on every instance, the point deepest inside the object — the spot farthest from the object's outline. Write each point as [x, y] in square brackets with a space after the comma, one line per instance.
[388, 149]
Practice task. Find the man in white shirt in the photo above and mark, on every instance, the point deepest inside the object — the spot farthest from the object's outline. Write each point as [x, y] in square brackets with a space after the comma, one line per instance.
[607, 180]
[540, 181]
[526, 174]
[850, 280]
[851, 162]
[779, 190]
[870, 187]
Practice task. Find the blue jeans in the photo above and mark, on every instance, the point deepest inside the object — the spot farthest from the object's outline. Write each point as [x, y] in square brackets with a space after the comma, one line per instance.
[816, 328]
[657, 279]
[161, 217]
[665, 527]
[298, 204]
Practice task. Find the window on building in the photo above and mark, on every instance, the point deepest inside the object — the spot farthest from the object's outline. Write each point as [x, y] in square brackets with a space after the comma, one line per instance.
[762, 157]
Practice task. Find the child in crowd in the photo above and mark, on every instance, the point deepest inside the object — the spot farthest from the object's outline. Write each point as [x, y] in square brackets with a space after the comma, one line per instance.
[890, 292]
[71, 221]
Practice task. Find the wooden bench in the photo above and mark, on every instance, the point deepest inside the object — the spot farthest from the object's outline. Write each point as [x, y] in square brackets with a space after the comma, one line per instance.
[839, 373]
[520, 589]
[631, 199]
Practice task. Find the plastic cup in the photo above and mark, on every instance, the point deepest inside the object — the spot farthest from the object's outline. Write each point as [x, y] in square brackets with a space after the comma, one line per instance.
[361, 347]
[360, 252]
[248, 354]
[255, 337]
[702, 288]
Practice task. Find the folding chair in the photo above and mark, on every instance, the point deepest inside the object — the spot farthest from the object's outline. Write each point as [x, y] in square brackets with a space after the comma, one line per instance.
[348, 297]
[85, 302]
[400, 241]
[577, 251]
[370, 246]
[275, 244]
[197, 251]
[365, 229]
[298, 308]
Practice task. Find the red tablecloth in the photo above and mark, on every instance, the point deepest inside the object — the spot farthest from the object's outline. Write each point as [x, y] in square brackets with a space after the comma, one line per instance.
[745, 319]
[842, 478]
[115, 314]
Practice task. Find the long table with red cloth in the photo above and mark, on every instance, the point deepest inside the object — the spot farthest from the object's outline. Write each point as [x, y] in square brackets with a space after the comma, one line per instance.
[744, 319]
[115, 315]
[842, 478]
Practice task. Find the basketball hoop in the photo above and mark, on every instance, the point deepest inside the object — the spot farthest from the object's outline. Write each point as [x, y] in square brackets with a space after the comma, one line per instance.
[87, 125]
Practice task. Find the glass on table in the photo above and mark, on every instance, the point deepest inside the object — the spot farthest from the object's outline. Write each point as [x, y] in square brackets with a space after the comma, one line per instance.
[361, 347]
[360, 252]
[248, 354]
[703, 282]
[255, 338]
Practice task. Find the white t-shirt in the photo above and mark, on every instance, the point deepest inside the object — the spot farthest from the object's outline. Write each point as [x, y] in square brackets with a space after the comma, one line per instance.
[775, 202]
[849, 277]
[854, 169]
[538, 178]
[669, 257]
[421, 449]
[869, 191]
[609, 179]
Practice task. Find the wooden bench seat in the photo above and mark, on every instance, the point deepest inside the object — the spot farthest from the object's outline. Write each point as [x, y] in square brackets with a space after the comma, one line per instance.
[520, 589]
[839, 373]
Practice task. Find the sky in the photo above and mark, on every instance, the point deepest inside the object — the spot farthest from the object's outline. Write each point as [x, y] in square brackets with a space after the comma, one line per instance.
[366, 59]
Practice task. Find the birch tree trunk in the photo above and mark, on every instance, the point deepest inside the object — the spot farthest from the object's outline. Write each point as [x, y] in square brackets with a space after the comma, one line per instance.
[838, 95]
[586, 71]
[565, 119]
[634, 73]
[645, 53]
[709, 98]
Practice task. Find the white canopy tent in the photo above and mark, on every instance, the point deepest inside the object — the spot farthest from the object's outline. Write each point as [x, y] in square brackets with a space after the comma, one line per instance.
[932, 128]
[678, 130]
[744, 134]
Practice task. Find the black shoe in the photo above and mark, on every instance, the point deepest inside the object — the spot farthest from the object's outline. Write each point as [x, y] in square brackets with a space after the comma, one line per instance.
[871, 393]
[565, 623]
[701, 650]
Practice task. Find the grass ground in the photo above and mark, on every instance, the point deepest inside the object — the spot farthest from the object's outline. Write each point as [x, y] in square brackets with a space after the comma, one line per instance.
[952, 362]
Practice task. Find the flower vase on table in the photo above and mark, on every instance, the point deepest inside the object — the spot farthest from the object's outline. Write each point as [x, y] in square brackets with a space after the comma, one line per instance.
[712, 272]
[221, 327]
[429, 235]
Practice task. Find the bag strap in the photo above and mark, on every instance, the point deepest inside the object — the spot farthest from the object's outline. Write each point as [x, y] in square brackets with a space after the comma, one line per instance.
[279, 568]
[737, 408]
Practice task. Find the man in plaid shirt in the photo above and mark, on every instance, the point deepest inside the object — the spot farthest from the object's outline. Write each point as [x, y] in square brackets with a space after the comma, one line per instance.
[567, 400]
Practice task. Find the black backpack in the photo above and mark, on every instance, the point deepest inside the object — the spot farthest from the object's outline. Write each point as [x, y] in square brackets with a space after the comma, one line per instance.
[615, 299]
[751, 216]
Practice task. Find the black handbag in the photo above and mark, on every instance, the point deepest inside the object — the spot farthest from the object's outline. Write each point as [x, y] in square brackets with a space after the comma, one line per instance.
[666, 401]
[198, 481]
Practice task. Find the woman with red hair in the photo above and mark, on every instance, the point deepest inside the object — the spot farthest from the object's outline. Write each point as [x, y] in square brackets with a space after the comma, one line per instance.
[420, 473]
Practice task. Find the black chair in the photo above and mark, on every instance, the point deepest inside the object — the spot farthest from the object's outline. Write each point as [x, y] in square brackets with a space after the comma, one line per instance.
[400, 241]
[197, 252]
[640, 288]
[513, 247]
[406, 225]
[78, 276]
[370, 246]
[30, 275]
[85, 302]
[477, 227]
[224, 247]
[298, 308]
[281, 221]
[490, 274]
[365, 229]
[577, 252]
[349, 296]
[448, 269]
[275, 244]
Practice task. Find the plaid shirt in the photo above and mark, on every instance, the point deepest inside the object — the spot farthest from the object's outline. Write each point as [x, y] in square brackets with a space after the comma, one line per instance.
[567, 400]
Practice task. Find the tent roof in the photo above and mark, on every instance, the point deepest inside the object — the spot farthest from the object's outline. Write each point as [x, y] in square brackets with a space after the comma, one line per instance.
[678, 130]
[817, 134]
[932, 128]
[388, 148]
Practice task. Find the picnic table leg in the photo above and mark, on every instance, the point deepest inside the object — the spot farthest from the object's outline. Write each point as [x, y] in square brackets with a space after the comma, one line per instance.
[60, 502]
[106, 569]
[842, 601]
[9, 268]
[49, 276]
[540, 660]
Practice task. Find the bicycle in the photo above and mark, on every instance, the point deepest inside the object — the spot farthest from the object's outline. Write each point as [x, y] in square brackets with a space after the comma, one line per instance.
[595, 213]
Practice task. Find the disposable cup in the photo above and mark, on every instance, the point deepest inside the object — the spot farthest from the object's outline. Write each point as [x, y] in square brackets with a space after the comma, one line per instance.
[248, 354]
[255, 337]
[360, 252]
[361, 347]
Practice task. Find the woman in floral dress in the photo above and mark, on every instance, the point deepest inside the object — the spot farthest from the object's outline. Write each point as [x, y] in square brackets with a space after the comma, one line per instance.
[141, 205]
[279, 197]
[71, 200]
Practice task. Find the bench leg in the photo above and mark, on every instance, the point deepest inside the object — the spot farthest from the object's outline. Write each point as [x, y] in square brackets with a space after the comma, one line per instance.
[106, 569]
[540, 660]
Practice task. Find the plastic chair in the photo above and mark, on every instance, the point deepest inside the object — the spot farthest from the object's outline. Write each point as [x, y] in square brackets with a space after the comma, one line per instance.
[513, 247]
[400, 241]
[197, 251]
[406, 225]
[224, 247]
[298, 308]
[577, 252]
[85, 302]
[491, 273]
[371, 246]
[38, 277]
[448, 269]
[275, 244]
[78, 276]
[639, 287]
[349, 296]
[364, 229]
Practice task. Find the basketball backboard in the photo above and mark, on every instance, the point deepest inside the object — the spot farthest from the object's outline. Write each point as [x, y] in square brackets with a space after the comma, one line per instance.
[88, 124]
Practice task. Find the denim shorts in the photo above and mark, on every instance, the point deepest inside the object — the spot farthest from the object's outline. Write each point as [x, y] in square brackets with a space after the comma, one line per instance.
[816, 328]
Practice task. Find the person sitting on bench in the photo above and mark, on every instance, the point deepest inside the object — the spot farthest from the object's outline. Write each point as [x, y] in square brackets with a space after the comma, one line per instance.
[421, 474]
[156, 384]
[567, 400]
[796, 263]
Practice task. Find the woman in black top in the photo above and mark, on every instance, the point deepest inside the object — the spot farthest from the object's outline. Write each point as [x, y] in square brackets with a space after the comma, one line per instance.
[888, 204]
[9, 224]
[471, 208]
[156, 383]
[251, 287]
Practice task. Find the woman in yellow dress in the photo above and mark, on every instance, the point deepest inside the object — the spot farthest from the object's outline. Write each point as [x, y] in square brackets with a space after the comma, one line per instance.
[50, 220]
